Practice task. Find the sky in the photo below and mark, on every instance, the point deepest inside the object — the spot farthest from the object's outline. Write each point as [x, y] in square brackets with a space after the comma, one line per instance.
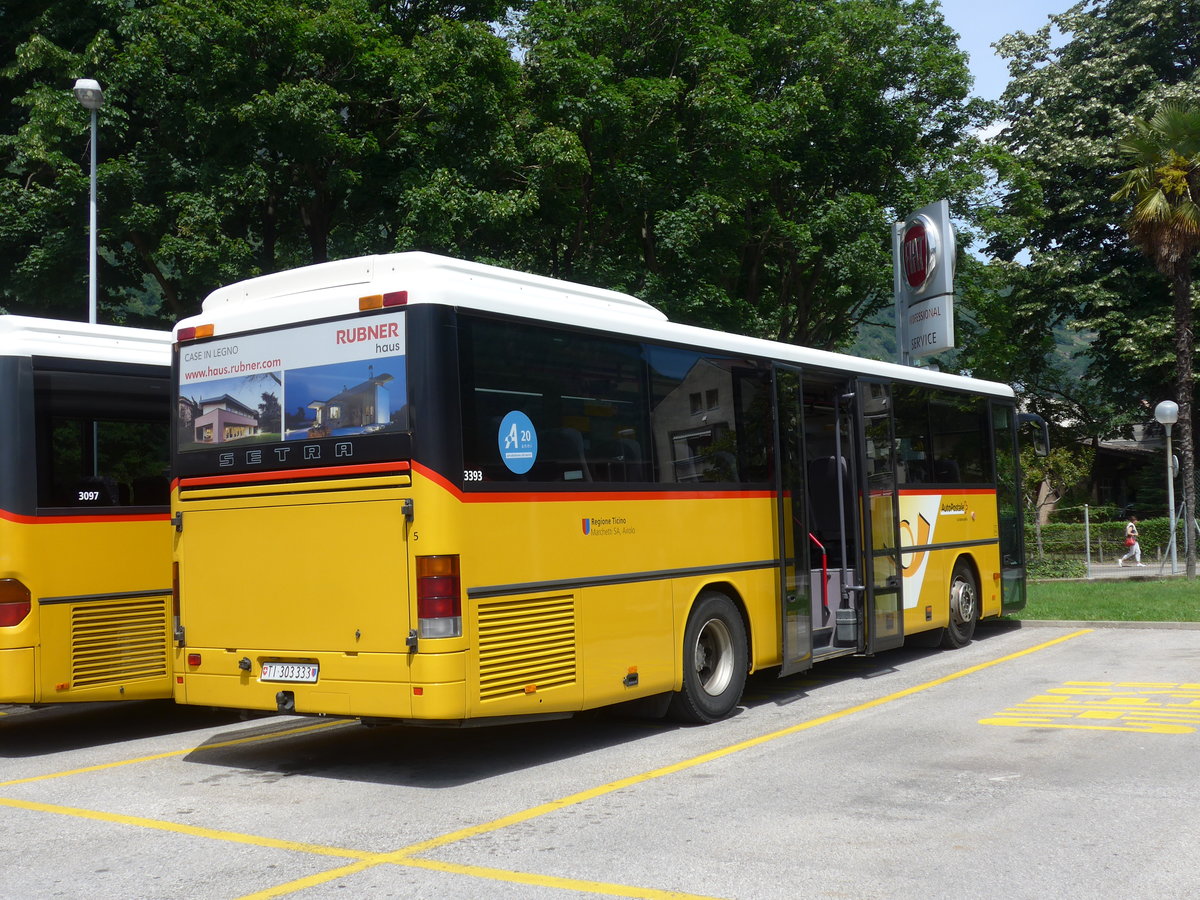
[981, 23]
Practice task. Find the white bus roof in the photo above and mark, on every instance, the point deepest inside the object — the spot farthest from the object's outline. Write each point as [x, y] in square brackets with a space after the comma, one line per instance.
[29, 336]
[333, 289]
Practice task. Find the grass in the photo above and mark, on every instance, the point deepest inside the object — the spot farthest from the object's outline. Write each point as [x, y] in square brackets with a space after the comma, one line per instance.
[1177, 600]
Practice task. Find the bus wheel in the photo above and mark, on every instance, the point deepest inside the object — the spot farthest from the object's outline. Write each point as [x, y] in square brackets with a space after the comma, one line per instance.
[964, 606]
[714, 661]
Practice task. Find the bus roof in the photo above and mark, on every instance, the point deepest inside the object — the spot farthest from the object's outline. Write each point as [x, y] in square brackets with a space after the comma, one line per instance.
[333, 289]
[64, 339]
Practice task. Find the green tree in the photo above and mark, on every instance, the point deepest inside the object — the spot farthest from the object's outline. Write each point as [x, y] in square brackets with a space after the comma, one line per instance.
[739, 162]
[1047, 479]
[1076, 84]
[1164, 184]
[247, 136]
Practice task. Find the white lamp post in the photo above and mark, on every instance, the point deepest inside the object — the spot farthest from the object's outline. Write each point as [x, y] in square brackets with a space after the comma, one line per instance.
[88, 92]
[1167, 414]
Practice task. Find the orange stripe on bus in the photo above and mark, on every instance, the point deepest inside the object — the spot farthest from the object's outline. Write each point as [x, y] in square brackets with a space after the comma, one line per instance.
[18, 519]
[943, 492]
[292, 474]
[577, 496]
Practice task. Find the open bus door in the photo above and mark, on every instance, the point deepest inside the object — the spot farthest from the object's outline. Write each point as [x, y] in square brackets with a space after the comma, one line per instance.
[797, 607]
[840, 576]
[882, 582]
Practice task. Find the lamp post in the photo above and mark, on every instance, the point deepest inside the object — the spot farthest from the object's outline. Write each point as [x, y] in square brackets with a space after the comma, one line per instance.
[1167, 414]
[88, 92]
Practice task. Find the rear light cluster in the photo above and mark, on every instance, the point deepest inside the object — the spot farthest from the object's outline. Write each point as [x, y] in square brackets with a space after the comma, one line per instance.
[193, 332]
[15, 602]
[381, 301]
[439, 598]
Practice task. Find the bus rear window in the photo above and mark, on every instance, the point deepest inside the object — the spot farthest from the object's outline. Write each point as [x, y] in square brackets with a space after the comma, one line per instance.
[102, 439]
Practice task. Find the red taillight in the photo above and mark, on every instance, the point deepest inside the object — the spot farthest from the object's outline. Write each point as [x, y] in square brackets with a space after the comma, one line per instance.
[380, 301]
[194, 659]
[439, 597]
[192, 332]
[15, 602]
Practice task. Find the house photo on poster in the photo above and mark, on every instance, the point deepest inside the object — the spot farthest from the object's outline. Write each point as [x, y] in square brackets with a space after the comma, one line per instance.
[238, 410]
[357, 397]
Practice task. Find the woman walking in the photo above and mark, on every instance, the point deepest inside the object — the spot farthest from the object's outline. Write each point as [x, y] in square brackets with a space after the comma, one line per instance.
[1131, 541]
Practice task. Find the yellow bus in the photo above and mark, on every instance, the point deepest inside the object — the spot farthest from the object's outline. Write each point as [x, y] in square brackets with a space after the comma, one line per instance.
[85, 536]
[415, 488]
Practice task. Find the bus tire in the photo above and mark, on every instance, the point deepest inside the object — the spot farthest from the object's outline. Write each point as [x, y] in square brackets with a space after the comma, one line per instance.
[715, 661]
[964, 606]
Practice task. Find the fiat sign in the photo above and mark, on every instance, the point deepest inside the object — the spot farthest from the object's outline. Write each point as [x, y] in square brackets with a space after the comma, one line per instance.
[918, 252]
[923, 261]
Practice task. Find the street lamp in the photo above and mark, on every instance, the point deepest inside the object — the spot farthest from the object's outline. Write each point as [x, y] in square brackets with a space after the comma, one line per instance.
[88, 92]
[1167, 414]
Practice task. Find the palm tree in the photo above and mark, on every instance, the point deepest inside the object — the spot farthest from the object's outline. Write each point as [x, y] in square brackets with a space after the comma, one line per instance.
[1164, 183]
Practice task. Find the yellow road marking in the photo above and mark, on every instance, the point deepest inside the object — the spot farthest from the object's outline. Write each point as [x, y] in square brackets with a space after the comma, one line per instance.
[525, 878]
[1144, 707]
[192, 830]
[405, 856]
[258, 738]
[591, 794]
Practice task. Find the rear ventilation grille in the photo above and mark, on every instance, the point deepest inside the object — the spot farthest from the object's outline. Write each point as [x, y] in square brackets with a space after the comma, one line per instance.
[525, 644]
[118, 642]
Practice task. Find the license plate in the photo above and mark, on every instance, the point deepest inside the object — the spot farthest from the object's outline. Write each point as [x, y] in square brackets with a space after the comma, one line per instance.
[304, 673]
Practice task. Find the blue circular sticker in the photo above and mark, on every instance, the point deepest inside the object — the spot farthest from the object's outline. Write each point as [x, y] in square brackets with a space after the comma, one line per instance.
[518, 442]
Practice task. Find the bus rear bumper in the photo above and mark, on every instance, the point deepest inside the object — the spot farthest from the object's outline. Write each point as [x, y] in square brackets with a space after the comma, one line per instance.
[17, 675]
[360, 685]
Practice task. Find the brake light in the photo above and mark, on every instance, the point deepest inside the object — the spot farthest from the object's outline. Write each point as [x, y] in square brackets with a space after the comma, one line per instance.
[439, 597]
[379, 301]
[15, 602]
[192, 332]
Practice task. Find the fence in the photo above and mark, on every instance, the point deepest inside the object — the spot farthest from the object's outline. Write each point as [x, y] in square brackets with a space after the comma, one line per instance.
[1085, 542]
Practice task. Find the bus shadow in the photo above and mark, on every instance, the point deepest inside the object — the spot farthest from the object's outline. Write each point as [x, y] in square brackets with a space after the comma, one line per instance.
[28, 731]
[432, 757]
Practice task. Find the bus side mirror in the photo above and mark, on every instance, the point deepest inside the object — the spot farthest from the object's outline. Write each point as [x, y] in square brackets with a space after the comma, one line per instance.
[1040, 432]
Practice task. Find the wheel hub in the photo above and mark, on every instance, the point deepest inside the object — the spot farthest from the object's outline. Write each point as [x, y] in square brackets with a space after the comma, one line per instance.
[714, 657]
[962, 601]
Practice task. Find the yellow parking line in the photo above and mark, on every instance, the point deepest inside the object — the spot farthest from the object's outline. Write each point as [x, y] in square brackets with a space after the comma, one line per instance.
[533, 879]
[258, 738]
[592, 793]
[404, 855]
[191, 830]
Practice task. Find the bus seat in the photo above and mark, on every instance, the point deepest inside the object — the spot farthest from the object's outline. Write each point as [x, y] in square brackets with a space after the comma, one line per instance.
[631, 453]
[825, 474]
[945, 471]
[561, 456]
[151, 490]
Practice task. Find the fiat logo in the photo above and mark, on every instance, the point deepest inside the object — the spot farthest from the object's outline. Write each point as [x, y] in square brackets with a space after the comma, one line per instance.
[918, 251]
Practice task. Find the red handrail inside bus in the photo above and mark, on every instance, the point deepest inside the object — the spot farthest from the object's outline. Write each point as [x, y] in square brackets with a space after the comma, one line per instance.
[824, 578]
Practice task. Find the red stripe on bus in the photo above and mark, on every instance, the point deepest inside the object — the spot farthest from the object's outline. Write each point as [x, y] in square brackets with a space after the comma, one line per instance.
[576, 496]
[292, 474]
[19, 519]
[943, 492]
